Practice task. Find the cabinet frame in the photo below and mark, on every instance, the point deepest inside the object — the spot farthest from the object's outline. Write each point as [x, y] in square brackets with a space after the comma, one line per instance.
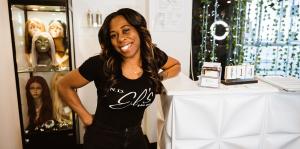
[67, 4]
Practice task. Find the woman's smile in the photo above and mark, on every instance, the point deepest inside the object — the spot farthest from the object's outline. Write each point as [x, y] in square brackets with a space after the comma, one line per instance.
[125, 48]
[124, 37]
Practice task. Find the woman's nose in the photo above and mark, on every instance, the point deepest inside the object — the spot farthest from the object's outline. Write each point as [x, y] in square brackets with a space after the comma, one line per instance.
[121, 38]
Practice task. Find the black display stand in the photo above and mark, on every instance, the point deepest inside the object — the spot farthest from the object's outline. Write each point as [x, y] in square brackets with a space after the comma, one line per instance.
[238, 81]
[62, 131]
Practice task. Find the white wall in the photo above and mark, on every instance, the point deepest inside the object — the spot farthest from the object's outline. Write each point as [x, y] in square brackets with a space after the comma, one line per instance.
[175, 37]
[10, 132]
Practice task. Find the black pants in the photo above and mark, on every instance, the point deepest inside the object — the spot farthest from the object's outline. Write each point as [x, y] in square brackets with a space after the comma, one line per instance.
[100, 136]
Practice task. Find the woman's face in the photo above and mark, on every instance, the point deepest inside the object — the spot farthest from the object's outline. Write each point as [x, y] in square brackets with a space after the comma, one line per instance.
[42, 44]
[124, 37]
[35, 90]
[35, 27]
[56, 29]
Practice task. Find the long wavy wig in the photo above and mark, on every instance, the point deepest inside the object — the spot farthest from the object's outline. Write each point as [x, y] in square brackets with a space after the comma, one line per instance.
[46, 112]
[28, 37]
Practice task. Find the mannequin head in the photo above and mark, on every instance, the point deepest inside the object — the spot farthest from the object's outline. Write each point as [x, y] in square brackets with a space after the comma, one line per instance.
[57, 29]
[32, 27]
[37, 89]
[42, 44]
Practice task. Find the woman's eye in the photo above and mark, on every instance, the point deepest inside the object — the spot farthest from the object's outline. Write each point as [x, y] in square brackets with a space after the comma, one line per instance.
[112, 36]
[126, 30]
[35, 88]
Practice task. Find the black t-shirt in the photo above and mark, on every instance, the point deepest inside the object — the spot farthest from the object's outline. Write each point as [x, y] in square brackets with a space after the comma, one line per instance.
[125, 102]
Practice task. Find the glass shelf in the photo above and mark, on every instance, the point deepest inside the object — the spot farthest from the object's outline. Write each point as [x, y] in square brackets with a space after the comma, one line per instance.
[41, 8]
[45, 69]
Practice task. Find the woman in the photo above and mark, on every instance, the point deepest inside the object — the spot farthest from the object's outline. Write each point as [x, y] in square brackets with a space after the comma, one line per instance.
[127, 79]
[39, 102]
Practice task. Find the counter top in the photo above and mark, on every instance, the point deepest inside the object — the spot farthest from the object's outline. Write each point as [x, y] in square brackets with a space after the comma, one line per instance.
[183, 85]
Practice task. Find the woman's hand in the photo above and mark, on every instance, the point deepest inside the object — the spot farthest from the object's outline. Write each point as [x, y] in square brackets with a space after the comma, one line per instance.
[170, 69]
[88, 120]
[66, 88]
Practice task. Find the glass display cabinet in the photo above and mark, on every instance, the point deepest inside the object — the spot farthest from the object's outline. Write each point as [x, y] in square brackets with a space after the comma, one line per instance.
[43, 50]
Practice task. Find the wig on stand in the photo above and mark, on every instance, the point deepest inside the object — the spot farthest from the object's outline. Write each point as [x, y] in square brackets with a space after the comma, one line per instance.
[51, 52]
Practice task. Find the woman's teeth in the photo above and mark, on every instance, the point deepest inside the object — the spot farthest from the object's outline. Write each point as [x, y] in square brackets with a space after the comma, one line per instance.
[125, 47]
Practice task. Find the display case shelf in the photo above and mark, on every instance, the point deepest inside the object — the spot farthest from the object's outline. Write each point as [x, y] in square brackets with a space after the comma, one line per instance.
[54, 69]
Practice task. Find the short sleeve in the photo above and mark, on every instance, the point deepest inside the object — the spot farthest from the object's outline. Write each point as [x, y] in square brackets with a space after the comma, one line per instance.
[161, 57]
[91, 68]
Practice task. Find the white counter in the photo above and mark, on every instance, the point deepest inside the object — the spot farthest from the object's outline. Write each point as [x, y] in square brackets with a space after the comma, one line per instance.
[249, 116]
[182, 85]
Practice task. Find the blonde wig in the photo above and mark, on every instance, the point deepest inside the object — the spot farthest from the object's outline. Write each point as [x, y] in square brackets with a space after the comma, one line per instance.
[28, 37]
[61, 112]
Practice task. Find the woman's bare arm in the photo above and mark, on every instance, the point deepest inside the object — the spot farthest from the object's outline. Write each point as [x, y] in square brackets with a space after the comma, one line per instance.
[67, 90]
[170, 69]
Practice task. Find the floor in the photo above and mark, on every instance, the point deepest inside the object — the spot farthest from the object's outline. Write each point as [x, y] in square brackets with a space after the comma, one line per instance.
[73, 146]
[151, 146]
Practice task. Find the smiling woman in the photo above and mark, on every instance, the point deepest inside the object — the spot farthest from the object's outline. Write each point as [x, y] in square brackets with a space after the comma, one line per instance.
[127, 79]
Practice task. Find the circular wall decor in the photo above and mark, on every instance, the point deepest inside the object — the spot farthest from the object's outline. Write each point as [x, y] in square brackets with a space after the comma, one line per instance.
[213, 30]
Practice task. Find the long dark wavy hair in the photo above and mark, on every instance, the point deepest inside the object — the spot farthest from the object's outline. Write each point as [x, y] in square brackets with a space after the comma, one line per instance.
[46, 112]
[113, 60]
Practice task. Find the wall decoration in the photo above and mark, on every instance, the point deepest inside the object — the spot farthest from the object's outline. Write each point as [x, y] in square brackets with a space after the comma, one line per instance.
[264, 33]
[271, 40]
[168, 15]
[217, 33]
[213, 30]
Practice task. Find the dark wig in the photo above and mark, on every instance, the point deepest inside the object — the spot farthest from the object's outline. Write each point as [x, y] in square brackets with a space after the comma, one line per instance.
[46, 112]
[113, 60]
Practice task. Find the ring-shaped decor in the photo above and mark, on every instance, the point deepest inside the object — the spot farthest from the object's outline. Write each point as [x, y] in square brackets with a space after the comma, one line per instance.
[213, 30]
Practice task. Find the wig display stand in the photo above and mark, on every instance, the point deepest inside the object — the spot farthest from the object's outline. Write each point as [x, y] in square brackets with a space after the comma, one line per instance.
[239, 74]
[238, 81]
[43, 52]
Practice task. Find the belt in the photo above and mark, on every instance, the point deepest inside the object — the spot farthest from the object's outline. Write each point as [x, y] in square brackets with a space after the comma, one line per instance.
[116, 128]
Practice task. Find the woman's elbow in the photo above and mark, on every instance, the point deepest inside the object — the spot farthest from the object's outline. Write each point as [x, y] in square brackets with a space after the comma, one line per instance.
[178, 67]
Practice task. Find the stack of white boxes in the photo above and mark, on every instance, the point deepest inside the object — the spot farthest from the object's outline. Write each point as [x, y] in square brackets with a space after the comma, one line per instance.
[210, 75]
